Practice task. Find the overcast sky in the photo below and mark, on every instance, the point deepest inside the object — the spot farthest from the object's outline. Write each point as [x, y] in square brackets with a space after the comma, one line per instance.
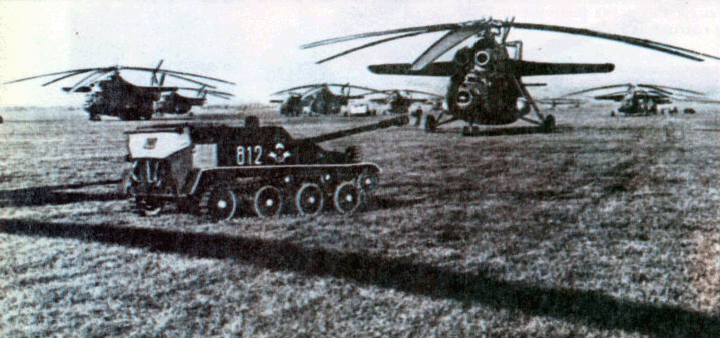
[255, 43]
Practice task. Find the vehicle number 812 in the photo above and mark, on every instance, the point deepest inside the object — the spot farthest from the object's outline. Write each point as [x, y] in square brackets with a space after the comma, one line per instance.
[249, 155]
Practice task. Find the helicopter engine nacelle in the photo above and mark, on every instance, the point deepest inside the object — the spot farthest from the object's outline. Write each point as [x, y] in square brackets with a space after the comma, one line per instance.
[523, 106]
[470, 92]
[482, 58]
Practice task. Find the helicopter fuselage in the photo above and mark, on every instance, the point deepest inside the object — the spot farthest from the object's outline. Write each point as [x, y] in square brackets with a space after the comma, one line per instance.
[483, 90]
[116, 97]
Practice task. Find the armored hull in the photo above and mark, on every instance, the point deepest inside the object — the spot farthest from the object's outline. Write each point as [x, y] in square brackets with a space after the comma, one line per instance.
[221, 171]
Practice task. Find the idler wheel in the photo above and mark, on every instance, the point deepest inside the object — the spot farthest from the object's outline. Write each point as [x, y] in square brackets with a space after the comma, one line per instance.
[268, 201]
[346, 198]
[220, 203]
[310, 199]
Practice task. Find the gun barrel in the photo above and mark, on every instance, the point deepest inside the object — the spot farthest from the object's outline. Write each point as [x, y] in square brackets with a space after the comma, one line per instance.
[398, 121]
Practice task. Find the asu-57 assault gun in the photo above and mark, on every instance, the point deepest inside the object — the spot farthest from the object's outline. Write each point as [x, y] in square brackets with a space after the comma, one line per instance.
[217, 169]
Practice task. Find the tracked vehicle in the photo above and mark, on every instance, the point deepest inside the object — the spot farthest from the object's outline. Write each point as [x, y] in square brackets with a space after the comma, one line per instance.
[218, 170]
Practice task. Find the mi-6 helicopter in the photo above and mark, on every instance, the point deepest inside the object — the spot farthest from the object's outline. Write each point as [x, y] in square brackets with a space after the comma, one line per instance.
[318, 98]
[485, 78]
[643, 99]
[110, 94]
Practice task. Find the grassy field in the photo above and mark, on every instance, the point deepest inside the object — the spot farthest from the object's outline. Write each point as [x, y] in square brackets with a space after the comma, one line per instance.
[606, 228]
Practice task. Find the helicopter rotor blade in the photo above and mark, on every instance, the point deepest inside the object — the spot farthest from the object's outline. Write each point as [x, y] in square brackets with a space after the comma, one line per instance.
[598, 88]
[92, 77]
[318, 85]
[458, 30]
[671, 88]
[674, 50]
[655, 89]
[191, 80]
[61, 73]
[450, 40]
[418, 30]
[64, 77]
[145, 69]
[368, 45]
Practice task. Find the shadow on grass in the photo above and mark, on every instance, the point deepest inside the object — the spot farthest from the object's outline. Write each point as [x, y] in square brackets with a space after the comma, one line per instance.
[392, 203]
[590, 307]
[54, 195]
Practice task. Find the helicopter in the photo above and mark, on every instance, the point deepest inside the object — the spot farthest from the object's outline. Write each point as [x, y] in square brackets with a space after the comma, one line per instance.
[318, 99]
[110, 94]
[486, 84]
[643, 99]
[398, 101]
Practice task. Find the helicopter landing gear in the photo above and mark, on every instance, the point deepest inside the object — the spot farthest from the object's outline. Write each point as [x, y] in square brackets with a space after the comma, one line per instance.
[548, 124]
[470, 130]
[430, 124]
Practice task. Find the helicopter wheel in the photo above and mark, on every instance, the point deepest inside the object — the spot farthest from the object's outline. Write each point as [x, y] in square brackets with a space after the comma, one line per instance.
[430, 124]
[310, 199]
[219, 202]
[548, 124]
[268, 201]
[346, 198]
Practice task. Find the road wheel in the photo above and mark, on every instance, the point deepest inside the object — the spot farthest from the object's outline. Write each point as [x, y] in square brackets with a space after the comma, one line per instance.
[268, 201]
[220, 203]
[346, 198]
[310, 199]
[149, 207]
